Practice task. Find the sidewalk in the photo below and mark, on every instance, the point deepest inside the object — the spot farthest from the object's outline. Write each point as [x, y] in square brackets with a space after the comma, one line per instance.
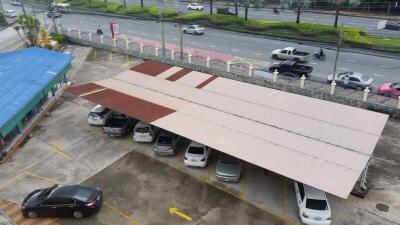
[10, 40]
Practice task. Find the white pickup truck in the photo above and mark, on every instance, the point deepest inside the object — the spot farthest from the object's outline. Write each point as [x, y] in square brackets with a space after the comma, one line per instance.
[291, 54]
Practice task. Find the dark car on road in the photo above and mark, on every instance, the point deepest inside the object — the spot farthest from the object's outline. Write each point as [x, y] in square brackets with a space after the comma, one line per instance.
[62, 201]
[54, 13]
[393, 25]
[225, 11]
[291, 68]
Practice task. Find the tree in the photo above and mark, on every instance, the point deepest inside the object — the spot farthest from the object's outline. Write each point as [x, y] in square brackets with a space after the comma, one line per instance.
[211, 6]
[299, 6]
[246, 5]
[28, 29]
[141, 3]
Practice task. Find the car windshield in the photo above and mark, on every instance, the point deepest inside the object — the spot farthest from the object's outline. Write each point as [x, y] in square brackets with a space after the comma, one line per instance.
[395, 85]
[142, 130]
[196, 150]
[316, 204]
[164, 140]
[364, 78]
[46, 192]
[84, 194]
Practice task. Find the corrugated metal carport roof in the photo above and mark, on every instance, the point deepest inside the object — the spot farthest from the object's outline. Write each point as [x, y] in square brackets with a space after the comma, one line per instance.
[322, 144]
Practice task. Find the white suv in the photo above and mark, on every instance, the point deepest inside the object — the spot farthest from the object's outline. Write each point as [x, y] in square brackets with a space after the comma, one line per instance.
[313, 205]
[197, 155]
[144, 132]
[195, 6]
[98, 115]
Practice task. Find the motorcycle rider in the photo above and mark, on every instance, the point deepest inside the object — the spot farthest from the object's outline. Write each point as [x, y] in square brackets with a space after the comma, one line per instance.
[275, 10]
[321, 53]
[99, 31]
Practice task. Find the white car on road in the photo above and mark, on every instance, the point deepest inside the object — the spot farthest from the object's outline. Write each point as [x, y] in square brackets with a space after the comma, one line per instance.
[98, 115]
[291, 54]
[196, 155]
[193, 29]
[314, 208]
[10, 14]
[195, 6]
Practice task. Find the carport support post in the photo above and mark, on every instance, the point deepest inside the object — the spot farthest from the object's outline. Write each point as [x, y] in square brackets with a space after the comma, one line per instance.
[101, 39]
[275, 76]
[114, 42]
[365, 96]
[190, 57]
[333, 85]
[251, 68]
[127, 45]
[228, 66]
[79, 34]
[302, 80]
[208, 62]
[156, 51]
[141, 48]
[398, 103]
[172, 55]
[90, 36]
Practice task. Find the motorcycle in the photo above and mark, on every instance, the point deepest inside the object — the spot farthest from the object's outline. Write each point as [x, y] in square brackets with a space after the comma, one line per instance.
[99, 32]
[275, 11]
[316, 55]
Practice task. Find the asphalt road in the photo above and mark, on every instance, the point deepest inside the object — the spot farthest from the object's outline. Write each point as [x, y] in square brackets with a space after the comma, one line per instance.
[381, 69]
[288, 15]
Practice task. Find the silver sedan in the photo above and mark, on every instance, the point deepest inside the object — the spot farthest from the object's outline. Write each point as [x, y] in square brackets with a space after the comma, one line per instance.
[356, 80]
[193, 29]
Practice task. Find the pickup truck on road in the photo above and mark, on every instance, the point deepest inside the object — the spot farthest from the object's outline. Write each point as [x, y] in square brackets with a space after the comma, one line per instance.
[291, 68]
[118, 126]
[291, 54]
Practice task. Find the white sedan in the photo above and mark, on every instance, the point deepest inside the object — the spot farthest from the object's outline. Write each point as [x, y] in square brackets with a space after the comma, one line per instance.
[197, 155]
[195, 6]
[11, 14]
[98, 115]
[314, 208]
[193, 29]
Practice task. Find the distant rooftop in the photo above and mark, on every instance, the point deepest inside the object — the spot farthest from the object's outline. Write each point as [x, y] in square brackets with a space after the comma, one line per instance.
[23, 75]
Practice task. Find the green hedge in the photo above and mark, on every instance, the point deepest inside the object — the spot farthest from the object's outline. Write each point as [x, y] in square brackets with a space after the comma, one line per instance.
[113, 7]
[96, 4]
[136, 10]
[2, 20]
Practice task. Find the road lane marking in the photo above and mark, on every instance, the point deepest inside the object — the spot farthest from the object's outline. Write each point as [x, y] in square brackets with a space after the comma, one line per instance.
[127, 217]
[235, 50]
[313, 63]
[349, 60]
[213, 46]
[195, 43]
[144, 33]
[257, 53]
[378, 75]
[343, 68]
[175, 211]
[318, 75]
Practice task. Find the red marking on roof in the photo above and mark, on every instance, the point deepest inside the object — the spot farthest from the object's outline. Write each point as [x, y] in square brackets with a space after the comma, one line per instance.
[204, 83]
[84, 88]
[129, 105]
[151, 68]
[178, 74]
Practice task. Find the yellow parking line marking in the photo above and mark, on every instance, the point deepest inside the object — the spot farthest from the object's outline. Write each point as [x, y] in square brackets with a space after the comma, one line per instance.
[175, 211]
[46, 222]
[270, 211]
[50, 180]
[10, 181]
[127, 217]
[56, 149]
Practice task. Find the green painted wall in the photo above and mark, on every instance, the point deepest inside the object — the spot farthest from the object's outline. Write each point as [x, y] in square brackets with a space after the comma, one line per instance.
[10, 125]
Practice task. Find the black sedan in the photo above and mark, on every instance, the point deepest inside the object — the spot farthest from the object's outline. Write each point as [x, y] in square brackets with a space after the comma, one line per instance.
[55, 14]
[393, 25]
[62, 201]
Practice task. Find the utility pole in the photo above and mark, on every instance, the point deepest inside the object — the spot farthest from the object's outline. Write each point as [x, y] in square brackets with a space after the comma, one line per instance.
[211, 6]
[388, 10]
[180, 32]
[161, 17]
[337, 55]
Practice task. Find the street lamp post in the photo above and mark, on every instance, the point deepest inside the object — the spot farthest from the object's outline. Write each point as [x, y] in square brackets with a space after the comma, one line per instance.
[161, 18]
[337, 55]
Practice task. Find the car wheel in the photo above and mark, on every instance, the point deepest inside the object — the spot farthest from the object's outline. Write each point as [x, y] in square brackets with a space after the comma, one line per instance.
[32, 214]
[78, 214]
[386, 94]
[184, 31]
[196, 32]
[360, 87]
[296, 59]
[274, 56]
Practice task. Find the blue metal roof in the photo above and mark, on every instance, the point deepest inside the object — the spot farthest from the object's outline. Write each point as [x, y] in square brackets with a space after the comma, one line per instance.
[23, 74]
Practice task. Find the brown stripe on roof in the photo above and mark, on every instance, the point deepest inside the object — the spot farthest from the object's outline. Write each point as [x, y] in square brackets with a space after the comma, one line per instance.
[84, 88]
[178, 74]
[204, 83]
[151, 68]
[129, 105]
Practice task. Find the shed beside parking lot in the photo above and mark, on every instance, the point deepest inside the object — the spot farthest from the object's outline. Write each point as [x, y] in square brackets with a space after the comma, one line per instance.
[323, 144]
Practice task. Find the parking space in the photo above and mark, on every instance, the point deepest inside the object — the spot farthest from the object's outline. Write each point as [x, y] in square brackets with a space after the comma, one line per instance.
[141, 187]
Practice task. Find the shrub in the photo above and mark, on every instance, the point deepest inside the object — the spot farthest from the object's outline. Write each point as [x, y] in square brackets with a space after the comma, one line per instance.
[154, 11]
[50, 47]
[60, 38]
[193, 16]
[136, 10]
[78, 2]
[113, 6]
[219, 19]
[96, 4]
